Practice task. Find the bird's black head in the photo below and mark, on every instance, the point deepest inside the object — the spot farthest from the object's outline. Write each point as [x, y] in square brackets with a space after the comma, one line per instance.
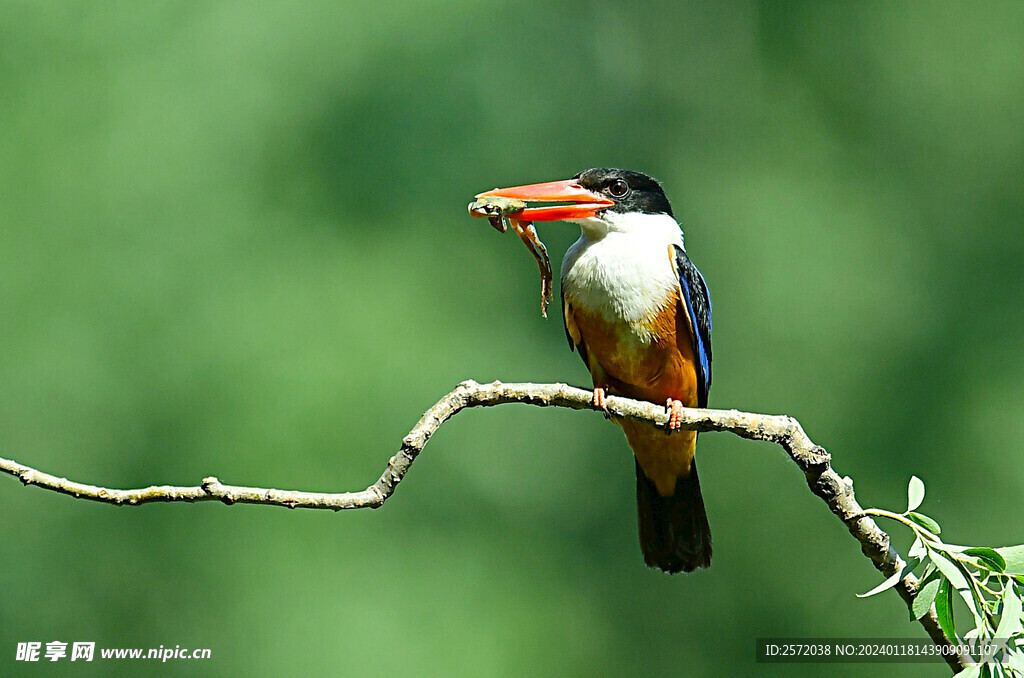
[589, 193]
[630, 191]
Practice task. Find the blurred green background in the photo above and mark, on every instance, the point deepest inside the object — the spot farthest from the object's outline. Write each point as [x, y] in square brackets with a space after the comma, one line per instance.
[234, 242]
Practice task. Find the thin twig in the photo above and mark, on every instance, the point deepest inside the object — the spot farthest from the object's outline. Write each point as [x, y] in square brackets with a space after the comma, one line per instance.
[782, 430]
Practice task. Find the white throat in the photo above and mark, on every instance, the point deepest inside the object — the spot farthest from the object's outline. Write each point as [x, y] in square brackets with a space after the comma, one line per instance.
[621, 267]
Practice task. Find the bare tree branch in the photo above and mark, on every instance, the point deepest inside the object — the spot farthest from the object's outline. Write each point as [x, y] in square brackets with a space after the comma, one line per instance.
[782, 430]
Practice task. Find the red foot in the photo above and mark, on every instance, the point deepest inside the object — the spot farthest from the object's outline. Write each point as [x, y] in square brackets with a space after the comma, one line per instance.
[599, 399]
[675, 414]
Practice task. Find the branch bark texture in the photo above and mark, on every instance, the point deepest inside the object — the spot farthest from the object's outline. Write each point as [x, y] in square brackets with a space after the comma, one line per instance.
[813, 460]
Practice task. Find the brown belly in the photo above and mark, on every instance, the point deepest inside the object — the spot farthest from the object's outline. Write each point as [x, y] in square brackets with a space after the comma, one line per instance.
[655, 370]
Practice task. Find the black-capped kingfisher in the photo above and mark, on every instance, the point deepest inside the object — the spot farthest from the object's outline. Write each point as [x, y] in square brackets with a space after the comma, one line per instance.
[638, 311]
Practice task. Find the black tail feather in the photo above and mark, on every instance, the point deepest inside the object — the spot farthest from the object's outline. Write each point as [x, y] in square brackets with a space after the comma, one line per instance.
[674, 531]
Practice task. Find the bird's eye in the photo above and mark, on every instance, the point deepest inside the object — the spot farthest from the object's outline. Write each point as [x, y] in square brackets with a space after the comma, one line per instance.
[618, 189]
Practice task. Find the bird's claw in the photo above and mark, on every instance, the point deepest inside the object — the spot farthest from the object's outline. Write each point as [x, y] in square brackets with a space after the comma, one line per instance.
[599, 401]
[674, 409]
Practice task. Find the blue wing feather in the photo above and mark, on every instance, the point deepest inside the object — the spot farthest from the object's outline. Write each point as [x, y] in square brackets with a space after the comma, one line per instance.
[697, 300]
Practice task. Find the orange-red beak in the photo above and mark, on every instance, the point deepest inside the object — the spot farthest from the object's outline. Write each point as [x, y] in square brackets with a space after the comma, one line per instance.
[583, 203]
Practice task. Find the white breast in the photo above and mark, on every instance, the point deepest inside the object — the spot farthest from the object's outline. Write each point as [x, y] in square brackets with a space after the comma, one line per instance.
[621, 267]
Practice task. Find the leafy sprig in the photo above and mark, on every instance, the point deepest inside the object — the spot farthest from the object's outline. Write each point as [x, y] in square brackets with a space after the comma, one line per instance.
[990, 581]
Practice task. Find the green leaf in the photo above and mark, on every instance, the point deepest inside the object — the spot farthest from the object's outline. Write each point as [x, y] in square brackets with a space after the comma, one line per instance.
[1014, 557]
[917, 550]
[972, 671]
[925, 597]
[891, 581]
[1015, 660]
[929, 570]
[958, 580]
[887, 584]
[915, 493]
[925, 522]
[990, 557]
[949, 570]
[1009, 620]
[944, 609]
